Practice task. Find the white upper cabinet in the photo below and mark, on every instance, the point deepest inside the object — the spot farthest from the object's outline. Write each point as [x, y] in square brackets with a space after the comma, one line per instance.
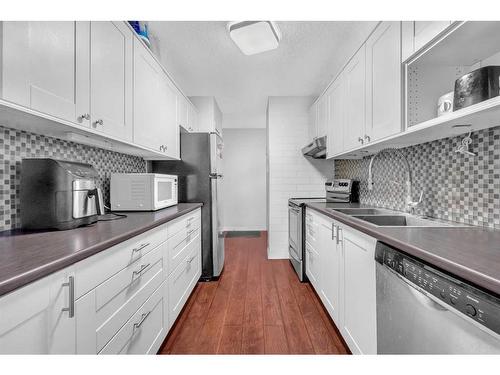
[35, 319]
[355, 106]
[111, 78]
[170, 129]
[311, 128]
[192, 118]
[154, 104]
[336, 117]
[322, 116]
[416, 34]
[209, 115]
[182, 111]
[40, 66]
[383, 82]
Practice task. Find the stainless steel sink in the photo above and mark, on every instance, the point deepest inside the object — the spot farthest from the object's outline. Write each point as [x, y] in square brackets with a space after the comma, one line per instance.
[401, 221]
[363, 211]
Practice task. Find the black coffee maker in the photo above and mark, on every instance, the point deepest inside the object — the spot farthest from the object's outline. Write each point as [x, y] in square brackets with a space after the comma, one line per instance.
[57, 194]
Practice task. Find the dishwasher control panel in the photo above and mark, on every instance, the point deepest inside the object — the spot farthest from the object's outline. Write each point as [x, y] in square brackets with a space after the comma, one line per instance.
[468, 300]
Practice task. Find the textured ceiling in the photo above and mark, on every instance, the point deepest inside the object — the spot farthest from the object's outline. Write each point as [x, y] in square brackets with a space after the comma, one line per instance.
[204, 60]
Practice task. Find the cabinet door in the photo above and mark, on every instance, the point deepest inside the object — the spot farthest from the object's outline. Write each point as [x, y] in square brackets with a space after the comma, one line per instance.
[313, 117]
[218, 118]
[111, 78]
[154, 102]
[313, 267]
[182, 111]
[33, 319]
[322, 116]
[354, 126]
[192, 118]
[336, 117]
[359, 313]
[170, 127]
[383, 80]
[40, 68]
[425, 31]
[330, 266]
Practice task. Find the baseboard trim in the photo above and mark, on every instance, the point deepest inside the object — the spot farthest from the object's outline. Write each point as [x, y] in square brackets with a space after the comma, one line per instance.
[244, 229]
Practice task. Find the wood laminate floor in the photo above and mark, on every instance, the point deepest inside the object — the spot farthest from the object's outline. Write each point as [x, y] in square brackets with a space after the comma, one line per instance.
[258, 306]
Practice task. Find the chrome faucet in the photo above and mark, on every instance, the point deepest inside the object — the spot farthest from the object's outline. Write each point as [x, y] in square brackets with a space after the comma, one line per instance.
[409, 203]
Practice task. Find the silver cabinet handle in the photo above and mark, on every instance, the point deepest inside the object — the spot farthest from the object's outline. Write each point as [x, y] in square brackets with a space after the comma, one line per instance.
[141, 270]
[191, 259]
[333, 231]
[361, 140]
[161, 148]
[367, 137]
[85, 116]
[71, 308]
[339, 229]
[142, 246]
[98, 122]
[190, 232]
[143, 318]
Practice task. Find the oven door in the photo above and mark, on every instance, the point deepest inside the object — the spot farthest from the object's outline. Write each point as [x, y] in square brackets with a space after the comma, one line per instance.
[165, 191]
[295, 230]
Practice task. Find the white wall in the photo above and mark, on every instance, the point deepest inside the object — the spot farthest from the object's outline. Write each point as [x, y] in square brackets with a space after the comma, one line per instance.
[244, 183]
[290, 174]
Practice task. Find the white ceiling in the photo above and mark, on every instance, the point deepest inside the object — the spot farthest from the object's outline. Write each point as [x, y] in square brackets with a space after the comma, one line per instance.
[203, 60]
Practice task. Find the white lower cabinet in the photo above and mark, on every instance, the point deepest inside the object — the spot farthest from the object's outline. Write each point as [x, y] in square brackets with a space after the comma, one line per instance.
[358, 291]
[121, 301]
[37, 319]
[343, 271]
[330, 267]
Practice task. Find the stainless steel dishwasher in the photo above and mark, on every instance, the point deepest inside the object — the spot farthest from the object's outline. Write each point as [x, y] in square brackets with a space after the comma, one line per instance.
[421, 310]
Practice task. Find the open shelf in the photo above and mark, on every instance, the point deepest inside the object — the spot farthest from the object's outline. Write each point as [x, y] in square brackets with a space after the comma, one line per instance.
[432, 72]
[20, 118]
[480, 116]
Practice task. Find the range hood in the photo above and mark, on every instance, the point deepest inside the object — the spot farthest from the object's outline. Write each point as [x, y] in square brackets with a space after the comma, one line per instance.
[316, 149]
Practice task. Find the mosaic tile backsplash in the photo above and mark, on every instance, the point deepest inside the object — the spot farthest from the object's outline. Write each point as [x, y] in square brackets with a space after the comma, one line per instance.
[455, 187]
[16, 145]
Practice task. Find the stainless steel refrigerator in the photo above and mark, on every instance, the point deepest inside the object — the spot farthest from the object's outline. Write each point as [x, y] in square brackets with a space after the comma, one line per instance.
[200, 174]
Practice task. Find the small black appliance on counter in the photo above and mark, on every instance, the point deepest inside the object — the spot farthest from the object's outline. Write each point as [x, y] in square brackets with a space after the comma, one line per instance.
[477, 86]
[57, 194]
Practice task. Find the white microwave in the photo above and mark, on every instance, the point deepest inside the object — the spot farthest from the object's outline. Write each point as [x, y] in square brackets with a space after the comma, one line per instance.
[142, 191]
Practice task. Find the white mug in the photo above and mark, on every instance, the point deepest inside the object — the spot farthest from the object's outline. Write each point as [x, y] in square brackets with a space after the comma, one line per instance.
[445, 104]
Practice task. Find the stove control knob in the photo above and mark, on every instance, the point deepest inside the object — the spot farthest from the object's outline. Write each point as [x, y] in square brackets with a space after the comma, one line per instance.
[442, 294]
[470, 310]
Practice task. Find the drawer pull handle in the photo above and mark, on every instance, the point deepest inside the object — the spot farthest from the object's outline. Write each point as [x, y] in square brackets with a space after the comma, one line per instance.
[143, 318]
[71, 308]
[142, 246]
[191, 259]
[190, 232]
[141, 270]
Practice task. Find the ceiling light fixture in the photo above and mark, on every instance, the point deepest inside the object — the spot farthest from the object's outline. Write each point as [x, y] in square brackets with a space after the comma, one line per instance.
[254, 37]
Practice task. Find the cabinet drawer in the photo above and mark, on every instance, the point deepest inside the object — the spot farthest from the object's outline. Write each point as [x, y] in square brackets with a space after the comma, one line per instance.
[144, 331]
[93, 271]
[189, 221]
[182, 281]
[129, 280]
[179, 246]
[312, 232]
[103, 311]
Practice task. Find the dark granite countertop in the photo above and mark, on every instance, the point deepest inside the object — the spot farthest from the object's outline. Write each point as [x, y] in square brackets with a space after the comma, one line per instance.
[29, 256]
[471, 253]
